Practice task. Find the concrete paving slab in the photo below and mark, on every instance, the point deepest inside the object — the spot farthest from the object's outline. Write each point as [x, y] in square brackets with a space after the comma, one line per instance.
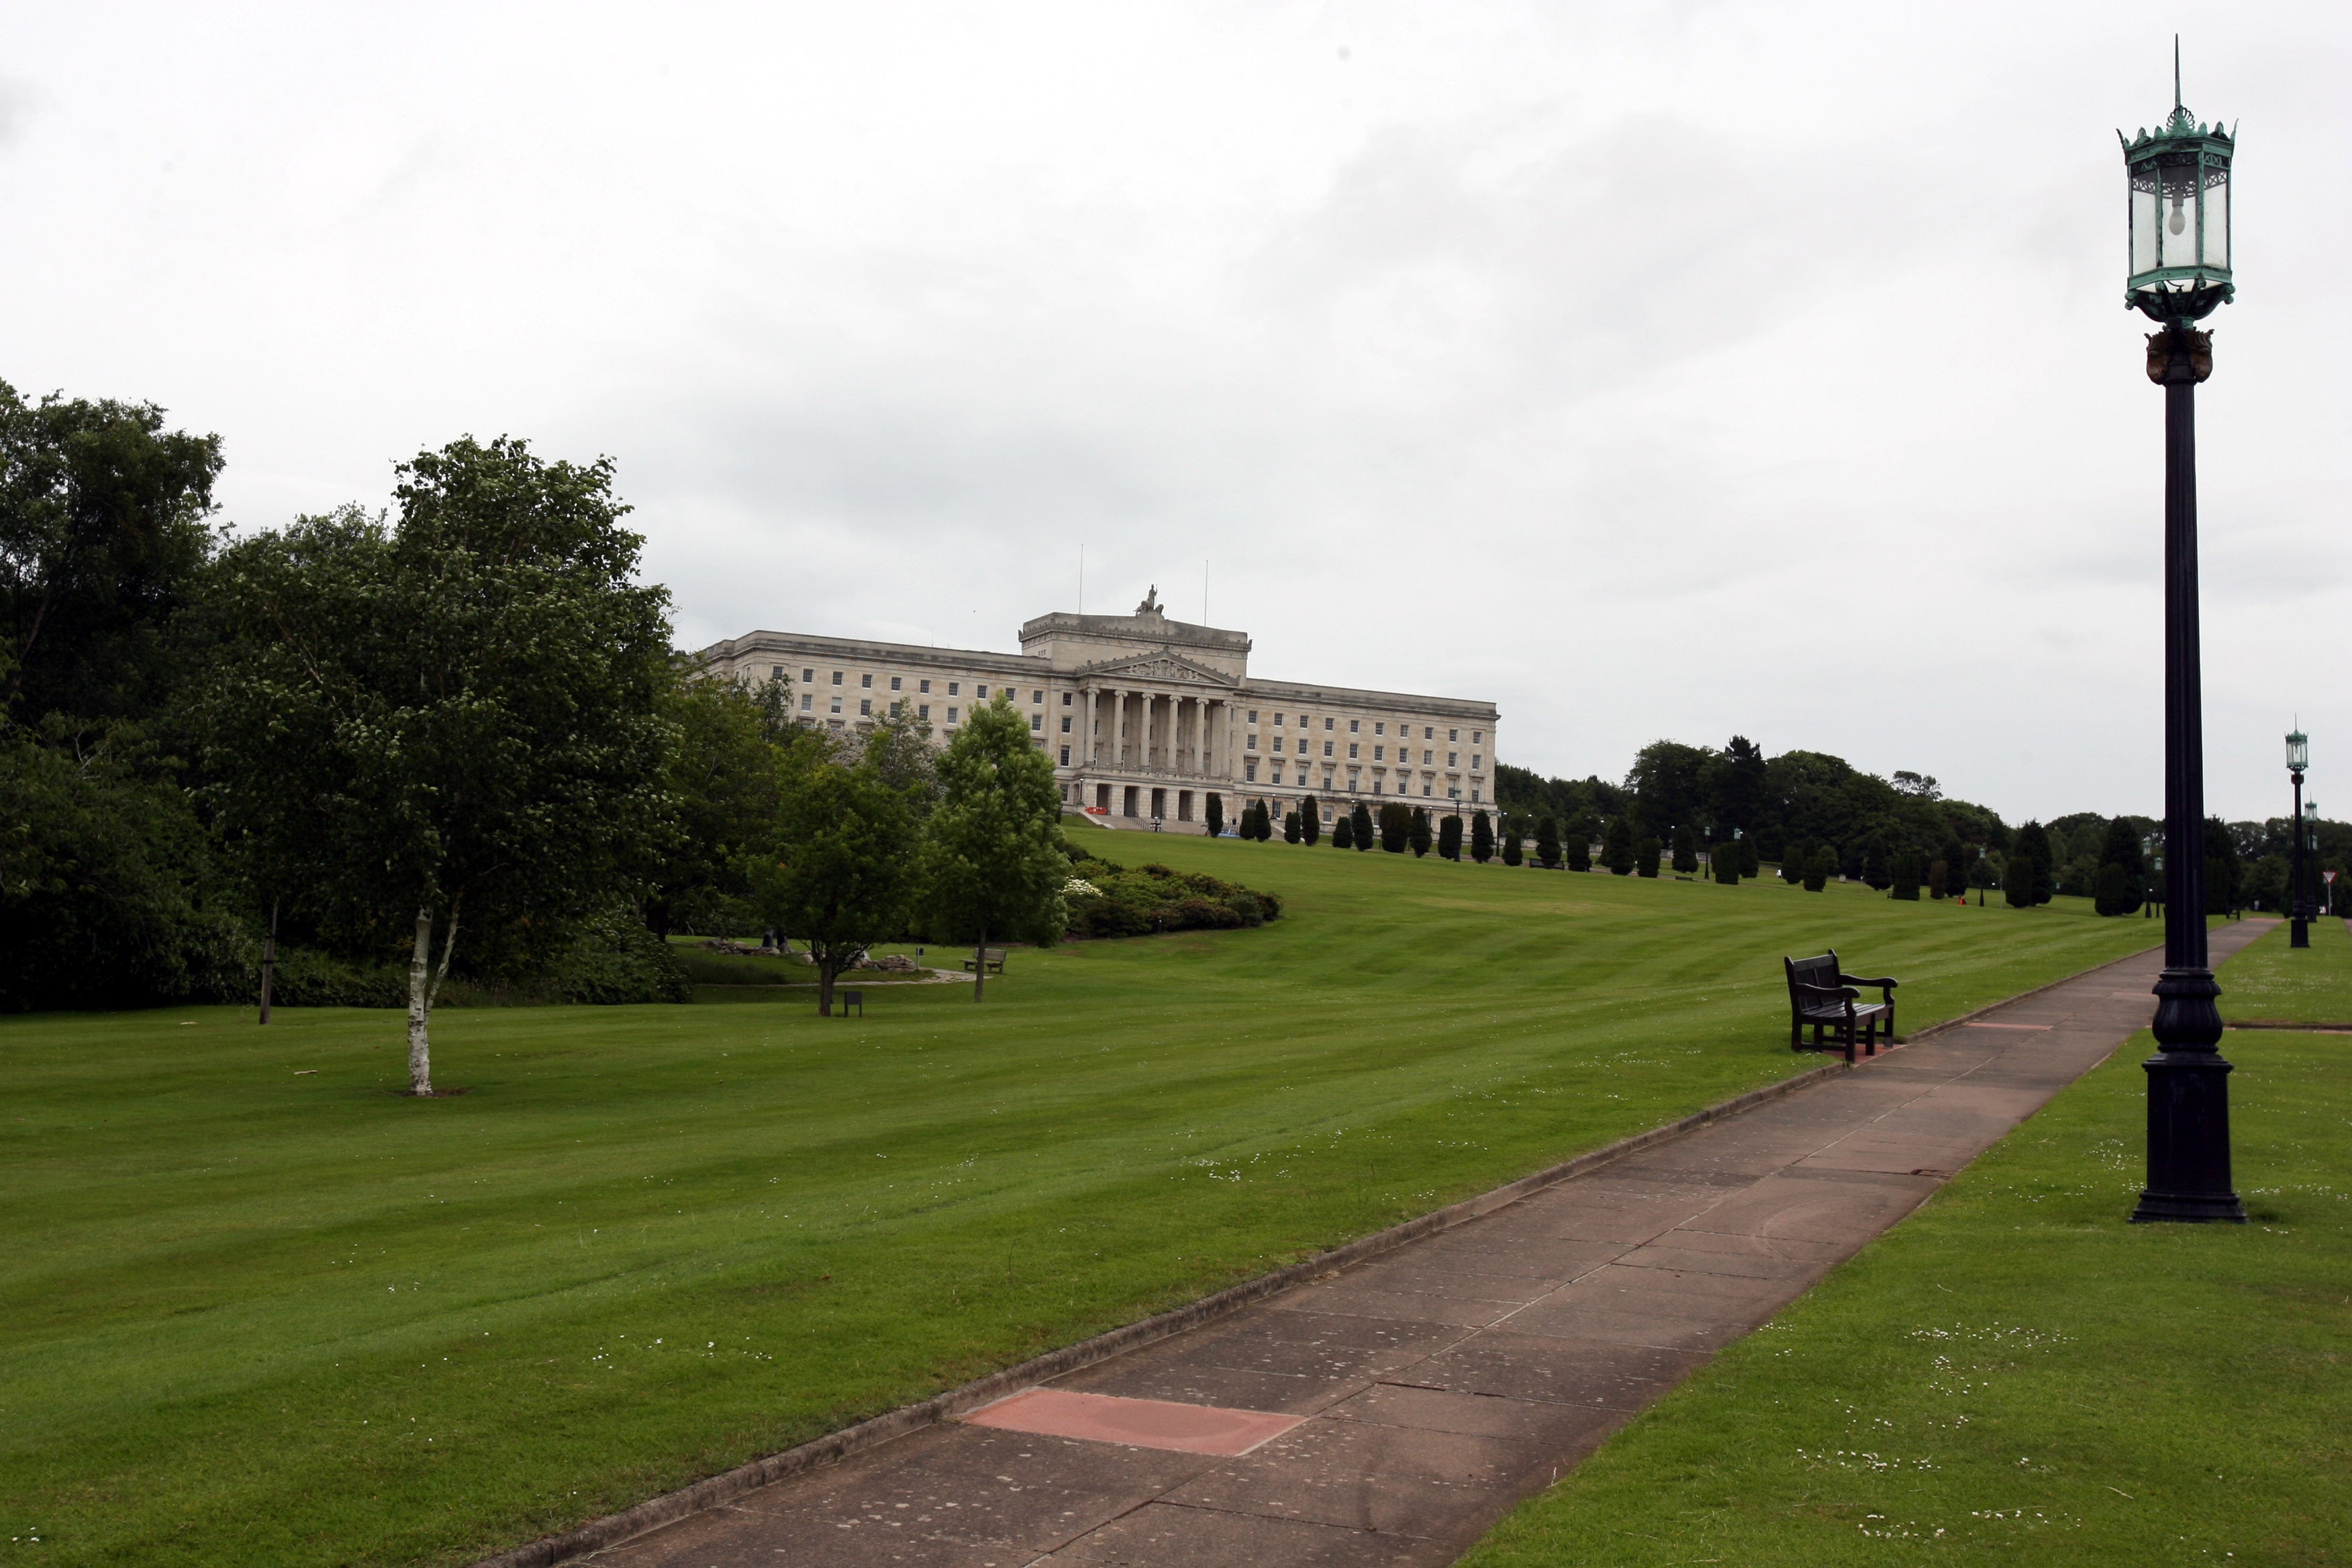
[1427, 1389]
[1177, 1425]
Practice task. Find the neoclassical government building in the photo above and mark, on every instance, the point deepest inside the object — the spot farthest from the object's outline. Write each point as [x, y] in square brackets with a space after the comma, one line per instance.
[1145, 716]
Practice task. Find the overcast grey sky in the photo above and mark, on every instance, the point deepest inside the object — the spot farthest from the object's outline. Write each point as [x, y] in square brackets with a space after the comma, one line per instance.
[1656, 371]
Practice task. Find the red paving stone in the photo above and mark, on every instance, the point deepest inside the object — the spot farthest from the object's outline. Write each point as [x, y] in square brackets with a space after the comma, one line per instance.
[1137, 1423]
[1390, 1413]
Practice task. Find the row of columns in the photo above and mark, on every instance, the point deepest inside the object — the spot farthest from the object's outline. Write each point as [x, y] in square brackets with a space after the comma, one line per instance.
[1194, 746]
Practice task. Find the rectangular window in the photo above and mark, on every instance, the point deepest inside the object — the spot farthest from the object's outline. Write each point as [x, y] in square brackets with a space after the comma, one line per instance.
[980, 691]
[775, 672]
[1278, 739]
[1477, 736]
[896, 684]
[866, 708]
[808, 677]
[1453, 759]
[1278, 721]
[924, 712]
[924, 687]
[1473, 798]
[1355, 726]
[1379, 751]
[1351, 751]
[1253, 715]
[836, 678]
[1065, 699]
[1066, 756]
[1327, 723]
[1249, 771]
[1453, 734]
[1379, 729]
[1277, 772]
[1037, 722]
[836, 704]
[866, 681]
[1427, 757]
[951, 711]
[1327, 748]
[1302, 720]
[952, 688]
[1036, 697]
[1252, 742]
[1066, 724]
[1473, 762]
[808, 702]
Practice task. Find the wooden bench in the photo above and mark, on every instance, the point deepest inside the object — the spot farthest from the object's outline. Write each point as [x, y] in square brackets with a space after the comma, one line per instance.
[1822, 997]
[991, 957]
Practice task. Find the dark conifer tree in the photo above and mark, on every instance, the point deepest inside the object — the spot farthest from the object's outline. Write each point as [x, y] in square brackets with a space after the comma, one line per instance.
[1214, 814]
[1449, 838]
[1576, 852]
[1749, 864]
[1820, 868]
[1903, 875]
[1396, 826]
[1514, 846]
[1547, 843]
[1418, 834]
[1685, 849]
[1482, 837]
[1362, 815]
[1646, 856]
[1617, 846]
[1290, 829]
[1343, 832]
[1310, 819]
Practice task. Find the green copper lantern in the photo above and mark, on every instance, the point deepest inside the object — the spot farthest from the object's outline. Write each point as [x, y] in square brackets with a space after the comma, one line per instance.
[2180, 178]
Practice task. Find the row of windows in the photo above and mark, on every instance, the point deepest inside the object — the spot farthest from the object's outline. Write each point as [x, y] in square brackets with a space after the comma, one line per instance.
[1403, 785]
[865, 709]
[1379, 752]
[898, 683]
[1380, 727]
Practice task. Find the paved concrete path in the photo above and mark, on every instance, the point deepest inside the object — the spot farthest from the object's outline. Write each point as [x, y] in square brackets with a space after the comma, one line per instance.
[1436, 1385]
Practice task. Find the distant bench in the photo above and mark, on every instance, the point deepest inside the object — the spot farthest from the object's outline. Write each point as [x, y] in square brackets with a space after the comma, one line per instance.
[1822, 997]
[991, 958]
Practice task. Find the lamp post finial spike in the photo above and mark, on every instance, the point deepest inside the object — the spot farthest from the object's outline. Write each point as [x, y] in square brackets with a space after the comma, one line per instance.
[2176, 70]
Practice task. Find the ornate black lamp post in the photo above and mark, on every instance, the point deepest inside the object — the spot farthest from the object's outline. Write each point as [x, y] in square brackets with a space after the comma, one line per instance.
[2298, 757]
[2180, 227]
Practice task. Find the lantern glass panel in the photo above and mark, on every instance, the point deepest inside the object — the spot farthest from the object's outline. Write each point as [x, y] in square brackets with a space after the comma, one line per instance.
[2176, 236]
[2298, 751]
[2217, 217]
[2143, 208]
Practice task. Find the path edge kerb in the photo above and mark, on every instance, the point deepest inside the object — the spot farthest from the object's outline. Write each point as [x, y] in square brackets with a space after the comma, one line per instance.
[727, 1485]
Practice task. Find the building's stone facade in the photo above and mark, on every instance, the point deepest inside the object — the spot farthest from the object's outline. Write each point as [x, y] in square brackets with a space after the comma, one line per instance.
[1145, 716]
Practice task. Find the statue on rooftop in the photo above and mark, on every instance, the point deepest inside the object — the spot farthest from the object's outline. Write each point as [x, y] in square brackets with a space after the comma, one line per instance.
[1151, 606]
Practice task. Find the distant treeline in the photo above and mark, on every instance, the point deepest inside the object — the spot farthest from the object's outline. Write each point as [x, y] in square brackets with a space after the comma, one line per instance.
[1800, 804]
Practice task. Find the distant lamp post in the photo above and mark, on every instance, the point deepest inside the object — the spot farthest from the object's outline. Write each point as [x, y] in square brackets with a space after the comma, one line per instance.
[2178, 208]
[2298, 757]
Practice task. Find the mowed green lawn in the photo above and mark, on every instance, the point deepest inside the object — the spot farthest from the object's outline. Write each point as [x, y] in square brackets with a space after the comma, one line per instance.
[260, 1309]
[2015, 1374]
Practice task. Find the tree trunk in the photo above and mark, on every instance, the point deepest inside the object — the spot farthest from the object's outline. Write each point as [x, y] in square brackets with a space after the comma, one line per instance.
[979, 964]
[420, 1004]
[824, 967]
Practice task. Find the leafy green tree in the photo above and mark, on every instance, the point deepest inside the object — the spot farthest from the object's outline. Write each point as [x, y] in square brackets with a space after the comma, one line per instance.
[721, 779]
[1686, 848]
[1417, 834]
[904, 758]
[1547, 843]
[2221, 869]
[457, 716]
[1291, 833]
[1213, 814]
[1310, 819]
[835, 870]
[1617, 846]
[103, 542]
[1362, 817]
[994, 862]
[1482, 837]
[1733, 787]
[1646, 856]
[1449, 838]
[1668, 783]
[1343, 832]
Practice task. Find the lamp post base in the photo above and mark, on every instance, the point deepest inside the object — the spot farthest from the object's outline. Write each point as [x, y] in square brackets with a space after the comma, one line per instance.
[2298, 933]
[2189, 1141]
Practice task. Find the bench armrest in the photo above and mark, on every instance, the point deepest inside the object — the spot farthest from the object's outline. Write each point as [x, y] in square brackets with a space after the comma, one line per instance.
[1859, 980]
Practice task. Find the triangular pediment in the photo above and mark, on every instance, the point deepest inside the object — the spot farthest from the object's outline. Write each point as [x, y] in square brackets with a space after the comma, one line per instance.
[1167, 669]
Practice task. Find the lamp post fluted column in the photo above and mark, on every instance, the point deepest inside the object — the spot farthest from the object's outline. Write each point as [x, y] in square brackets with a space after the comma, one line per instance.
[2298, 905]
[2188, 1079]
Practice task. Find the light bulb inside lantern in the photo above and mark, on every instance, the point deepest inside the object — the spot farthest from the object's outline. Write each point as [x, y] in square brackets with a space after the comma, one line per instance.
[2180, 219]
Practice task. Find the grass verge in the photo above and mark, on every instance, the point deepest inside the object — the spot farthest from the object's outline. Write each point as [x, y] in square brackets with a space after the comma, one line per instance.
[256, 1308]
[2016, 1375]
